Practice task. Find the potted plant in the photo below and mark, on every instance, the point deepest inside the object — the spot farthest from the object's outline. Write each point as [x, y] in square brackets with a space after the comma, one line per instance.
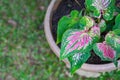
[94, 30]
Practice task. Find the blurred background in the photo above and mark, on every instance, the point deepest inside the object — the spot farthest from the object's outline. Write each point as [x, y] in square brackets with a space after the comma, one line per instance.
[24, 51]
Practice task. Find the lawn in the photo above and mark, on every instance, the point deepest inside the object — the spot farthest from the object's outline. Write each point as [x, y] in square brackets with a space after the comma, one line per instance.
[24, 51]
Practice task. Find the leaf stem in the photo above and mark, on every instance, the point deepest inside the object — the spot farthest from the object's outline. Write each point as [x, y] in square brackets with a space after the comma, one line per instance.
[98, 20]
[78, 3]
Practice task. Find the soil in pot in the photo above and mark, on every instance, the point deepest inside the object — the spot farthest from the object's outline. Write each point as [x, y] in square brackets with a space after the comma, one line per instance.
[64, 8]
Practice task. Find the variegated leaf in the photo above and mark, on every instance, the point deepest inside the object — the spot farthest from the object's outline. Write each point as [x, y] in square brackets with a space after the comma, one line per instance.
[101, 4]
[77, 61]
[75, 41]
[113, 40]
[101, 7]
[104, 51]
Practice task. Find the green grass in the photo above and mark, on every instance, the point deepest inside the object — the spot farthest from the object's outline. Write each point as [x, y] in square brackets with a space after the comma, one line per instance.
[24, 51]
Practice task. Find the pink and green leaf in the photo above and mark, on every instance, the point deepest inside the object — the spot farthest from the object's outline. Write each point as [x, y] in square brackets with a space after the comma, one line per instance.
[113, 39]
[77, 60]
[75, 41]
[106, 52]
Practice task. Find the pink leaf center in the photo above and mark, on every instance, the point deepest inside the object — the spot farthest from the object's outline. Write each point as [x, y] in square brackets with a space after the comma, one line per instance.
[78, 40]
[106, 50]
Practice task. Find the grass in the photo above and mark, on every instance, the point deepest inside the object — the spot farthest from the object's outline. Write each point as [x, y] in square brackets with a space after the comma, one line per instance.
[24, 51]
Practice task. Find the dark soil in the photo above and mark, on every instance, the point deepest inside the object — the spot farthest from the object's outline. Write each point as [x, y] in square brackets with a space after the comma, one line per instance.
[65, 8]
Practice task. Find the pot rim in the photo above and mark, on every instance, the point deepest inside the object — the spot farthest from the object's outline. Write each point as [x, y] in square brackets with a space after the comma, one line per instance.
[87, 67]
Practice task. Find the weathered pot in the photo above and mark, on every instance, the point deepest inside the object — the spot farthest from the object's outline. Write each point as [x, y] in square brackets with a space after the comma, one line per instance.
[87, 70]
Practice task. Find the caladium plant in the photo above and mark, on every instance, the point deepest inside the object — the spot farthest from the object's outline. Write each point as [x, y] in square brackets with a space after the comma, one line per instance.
[75, 41]
[79, 34]
[101, 8]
